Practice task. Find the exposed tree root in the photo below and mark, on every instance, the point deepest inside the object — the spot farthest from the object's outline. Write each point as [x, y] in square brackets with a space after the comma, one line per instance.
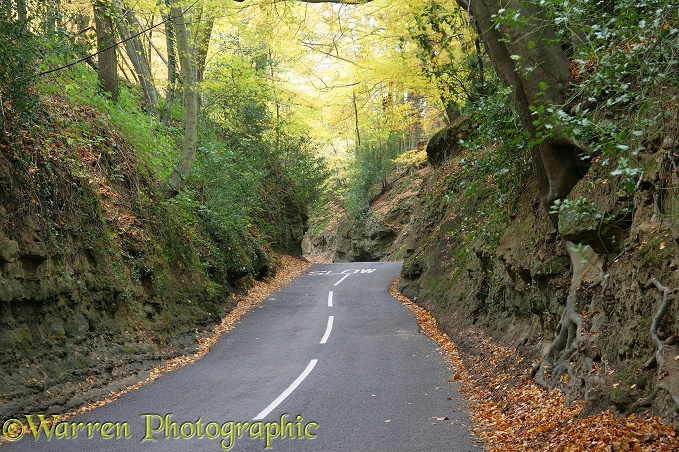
[659, 358]
[659, 354]
[570, 331]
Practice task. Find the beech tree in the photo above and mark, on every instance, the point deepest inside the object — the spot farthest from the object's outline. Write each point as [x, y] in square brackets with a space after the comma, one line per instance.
[170, 43]
[192, 54]
[128, 27]
[107, 67]
[529, 58]
[187, 158]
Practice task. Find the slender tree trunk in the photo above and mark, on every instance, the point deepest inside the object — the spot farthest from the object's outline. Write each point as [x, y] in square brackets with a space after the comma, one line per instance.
[127, 27]
[123, 63]
[272, 73]
[49, 22]
[187, 158]
[149, 39]
[482, 76]
[358, 131]
[107, 59]
[22, 14]
[171, 44]
[204, 33]
[121, 68]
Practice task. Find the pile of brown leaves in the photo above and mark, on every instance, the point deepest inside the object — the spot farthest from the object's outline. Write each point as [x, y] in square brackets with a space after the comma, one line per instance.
[511, 413]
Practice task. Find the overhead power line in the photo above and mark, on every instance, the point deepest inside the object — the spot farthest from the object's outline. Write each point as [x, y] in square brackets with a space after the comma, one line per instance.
[114, 45]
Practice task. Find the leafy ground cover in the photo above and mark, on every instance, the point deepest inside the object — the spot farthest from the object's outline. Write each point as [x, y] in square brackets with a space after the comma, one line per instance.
[510, 412]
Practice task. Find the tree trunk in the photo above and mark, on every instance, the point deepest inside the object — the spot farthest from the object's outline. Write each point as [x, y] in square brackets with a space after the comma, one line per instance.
[358, 131]
[22, 14]
[272, 73]
[542, 78]
[182, 171]
[149, 39]
[203, 35]
[171, 44]
[127, 26]
[107, 60]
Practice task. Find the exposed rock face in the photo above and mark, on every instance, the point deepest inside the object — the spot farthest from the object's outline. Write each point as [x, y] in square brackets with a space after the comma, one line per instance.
[100, 276]
[289, 230]
[378, 235]
[517, 290]
[87, 303]
[445, 143]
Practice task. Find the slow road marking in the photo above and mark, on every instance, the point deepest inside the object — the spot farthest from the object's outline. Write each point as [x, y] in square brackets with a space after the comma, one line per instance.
[350, 271]
[343, 278]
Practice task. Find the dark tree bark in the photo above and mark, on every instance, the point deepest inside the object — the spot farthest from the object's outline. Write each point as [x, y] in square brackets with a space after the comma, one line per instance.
[107, 60]
[22, 13]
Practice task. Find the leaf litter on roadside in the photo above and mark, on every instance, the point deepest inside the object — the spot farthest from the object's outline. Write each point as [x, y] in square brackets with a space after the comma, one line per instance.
[511, 413]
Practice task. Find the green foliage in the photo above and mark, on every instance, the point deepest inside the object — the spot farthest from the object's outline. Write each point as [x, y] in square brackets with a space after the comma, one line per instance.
[580, 209]
[37, 42]
[625, 68]
[256, 170]
[155, 143]
[492, 168]
[630, 174]
[447, 53]
[18, 53]
[256, 167]
[372, 166]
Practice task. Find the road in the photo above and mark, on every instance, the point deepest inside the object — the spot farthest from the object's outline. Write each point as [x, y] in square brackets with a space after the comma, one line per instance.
[331, 362]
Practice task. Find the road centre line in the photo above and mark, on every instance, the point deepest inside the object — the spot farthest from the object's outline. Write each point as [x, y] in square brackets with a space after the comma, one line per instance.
[272, 406]
[328, 329]
[330, 299]
[343, 278]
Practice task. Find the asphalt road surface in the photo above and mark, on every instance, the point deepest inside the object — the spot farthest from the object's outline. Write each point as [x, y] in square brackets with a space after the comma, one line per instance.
[331, 362]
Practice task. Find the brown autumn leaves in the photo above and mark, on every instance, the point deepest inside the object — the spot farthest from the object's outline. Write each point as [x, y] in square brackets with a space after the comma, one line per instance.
[511, 413]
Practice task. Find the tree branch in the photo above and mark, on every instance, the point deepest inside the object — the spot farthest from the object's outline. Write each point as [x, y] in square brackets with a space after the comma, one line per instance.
[313, 48]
